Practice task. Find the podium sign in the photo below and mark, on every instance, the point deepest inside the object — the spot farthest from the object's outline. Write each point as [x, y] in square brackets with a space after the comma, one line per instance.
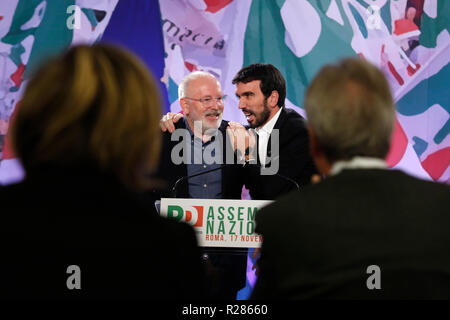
[218, 222]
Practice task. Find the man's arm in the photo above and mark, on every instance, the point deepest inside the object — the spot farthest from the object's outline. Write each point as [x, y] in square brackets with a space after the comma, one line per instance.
[241, 138]
[168, 120]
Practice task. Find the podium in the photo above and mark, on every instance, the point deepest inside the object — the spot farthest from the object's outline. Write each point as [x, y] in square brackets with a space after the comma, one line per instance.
[218, 223]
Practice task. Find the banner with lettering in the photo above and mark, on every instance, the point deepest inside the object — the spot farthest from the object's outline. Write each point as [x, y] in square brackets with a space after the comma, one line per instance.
[217, 223]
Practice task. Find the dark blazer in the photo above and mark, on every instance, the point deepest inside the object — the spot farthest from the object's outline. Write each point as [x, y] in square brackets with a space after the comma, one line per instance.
[294, 160]
[58, 218]
[318, 243]
[232, 175]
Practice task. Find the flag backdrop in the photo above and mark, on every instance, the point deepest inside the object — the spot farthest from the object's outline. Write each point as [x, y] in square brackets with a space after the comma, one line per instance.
[408, 39]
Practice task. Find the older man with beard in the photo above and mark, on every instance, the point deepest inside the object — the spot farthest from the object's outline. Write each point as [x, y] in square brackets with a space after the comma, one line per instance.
[197, 144]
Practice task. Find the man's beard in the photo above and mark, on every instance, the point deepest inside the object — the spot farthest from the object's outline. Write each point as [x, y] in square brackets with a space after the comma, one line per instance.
[212, 124]
[261, 118]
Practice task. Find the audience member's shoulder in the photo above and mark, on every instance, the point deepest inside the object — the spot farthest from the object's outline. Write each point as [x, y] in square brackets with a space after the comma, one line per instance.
[172, 225]
[280, 209]
[173, 231]
[10, 193]
[428, 186]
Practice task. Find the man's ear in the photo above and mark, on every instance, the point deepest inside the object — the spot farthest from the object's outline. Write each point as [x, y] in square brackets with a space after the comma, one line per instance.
[273, 99]
[317, 153]
[184, 106]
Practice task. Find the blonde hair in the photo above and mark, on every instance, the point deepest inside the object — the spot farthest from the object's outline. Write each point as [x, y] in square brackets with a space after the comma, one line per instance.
[94, 104]
[350, 108]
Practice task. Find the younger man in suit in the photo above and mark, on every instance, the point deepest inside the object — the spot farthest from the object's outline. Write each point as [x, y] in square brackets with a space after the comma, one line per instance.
[261, 90]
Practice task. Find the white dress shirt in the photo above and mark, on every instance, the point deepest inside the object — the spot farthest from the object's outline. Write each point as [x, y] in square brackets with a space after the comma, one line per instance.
[264, 135]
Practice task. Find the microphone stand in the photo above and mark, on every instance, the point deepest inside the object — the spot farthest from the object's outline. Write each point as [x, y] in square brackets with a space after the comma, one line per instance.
[175, 186]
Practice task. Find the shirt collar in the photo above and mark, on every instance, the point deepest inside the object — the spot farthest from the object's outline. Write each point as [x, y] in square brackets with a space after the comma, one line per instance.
[358, 163]
[268, 127]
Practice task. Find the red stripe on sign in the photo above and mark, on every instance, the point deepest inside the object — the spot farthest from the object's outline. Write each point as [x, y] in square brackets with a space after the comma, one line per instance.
[188, 216]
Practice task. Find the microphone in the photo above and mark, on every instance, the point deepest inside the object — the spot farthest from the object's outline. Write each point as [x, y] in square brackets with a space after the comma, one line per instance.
[292, 181]
[175, 186]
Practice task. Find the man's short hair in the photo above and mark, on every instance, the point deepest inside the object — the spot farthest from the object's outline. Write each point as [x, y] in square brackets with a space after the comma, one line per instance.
[349, 106]
[184, 84]
[271, 79]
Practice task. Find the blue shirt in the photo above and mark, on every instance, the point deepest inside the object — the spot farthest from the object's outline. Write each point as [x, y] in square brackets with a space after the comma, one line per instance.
[209, 185]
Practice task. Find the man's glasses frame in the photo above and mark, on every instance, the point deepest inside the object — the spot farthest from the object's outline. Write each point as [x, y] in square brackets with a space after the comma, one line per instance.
[207, 101]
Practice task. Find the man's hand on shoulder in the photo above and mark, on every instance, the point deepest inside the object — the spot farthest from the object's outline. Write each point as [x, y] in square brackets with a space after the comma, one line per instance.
[168, 120]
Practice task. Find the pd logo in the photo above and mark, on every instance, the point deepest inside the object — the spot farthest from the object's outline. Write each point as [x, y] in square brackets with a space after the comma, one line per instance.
[193, 215]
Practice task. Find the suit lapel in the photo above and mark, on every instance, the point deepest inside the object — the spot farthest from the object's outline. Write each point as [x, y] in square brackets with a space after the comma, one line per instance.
[280, 122]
